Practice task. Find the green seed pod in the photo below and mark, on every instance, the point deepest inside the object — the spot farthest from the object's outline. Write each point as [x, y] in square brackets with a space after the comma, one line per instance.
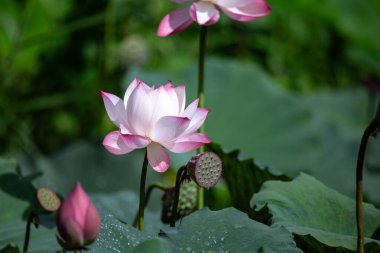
[45, 201]
[186, 205]
[205, 169]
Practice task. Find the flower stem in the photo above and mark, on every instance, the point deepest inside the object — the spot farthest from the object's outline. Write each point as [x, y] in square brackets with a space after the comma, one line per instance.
[27, 232]
[147, 197]
[142, 193]
[371, 130]
[201, 95]
[178, 180]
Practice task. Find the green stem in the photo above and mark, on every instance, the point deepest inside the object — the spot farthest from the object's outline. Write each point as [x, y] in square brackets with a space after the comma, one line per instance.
[142, 193]
[180, 173]
[147, 197]
[27, 232]
[201, 95]
[77, 251]
[369, 131]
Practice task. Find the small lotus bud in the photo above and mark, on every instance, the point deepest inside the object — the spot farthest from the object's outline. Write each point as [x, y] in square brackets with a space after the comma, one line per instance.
[45, 201]
[205, 169]
[78, 220]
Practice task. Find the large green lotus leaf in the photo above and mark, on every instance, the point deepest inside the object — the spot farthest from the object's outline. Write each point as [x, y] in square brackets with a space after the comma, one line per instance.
[116, 236]
[306, 206]
[244, 178]
[152, 245]
[124, 206]
[227, 230]
[319, 133]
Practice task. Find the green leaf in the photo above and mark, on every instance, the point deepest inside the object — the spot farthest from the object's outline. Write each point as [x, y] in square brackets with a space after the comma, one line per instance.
[244, 178]
[227, 230]
[7, 165]
[116, 236]
[16, 193]
[152, 245]
[307, 207]
[124, 206]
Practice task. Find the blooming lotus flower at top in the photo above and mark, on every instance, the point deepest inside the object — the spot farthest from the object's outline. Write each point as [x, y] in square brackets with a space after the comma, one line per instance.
[206, 12]
[78, 220]
[156, 119]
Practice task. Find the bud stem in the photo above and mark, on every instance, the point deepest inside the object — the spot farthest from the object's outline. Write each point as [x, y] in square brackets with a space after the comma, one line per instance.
[201, 95]
[147, 197]
[142, 193]
[27, 232]
[371, 130]
[178, 180]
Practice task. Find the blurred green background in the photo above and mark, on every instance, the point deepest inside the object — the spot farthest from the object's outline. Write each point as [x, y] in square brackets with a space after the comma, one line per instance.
[294, 89]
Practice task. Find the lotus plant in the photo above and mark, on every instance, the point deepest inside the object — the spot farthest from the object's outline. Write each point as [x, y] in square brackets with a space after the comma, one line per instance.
[78, 220]
[207, 12]
[155, 119]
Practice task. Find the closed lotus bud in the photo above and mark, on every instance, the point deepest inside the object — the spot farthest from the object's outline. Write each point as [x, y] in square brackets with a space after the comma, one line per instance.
[78, 220]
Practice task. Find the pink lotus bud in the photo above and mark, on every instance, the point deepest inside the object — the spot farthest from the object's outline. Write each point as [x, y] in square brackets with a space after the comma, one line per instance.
[78, 220]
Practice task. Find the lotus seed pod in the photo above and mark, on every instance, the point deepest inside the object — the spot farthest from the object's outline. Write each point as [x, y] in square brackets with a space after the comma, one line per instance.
[46, 201]
[205, 169]
[187, 201]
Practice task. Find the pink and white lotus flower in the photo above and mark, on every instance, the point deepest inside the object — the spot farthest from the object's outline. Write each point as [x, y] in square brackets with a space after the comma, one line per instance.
[206, 12]
[155, 119]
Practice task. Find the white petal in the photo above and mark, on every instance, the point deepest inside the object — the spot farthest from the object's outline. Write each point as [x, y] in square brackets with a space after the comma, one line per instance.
[169, 128]
[188, 143]
[197, 120]
[139, 110]
[232, 3]
[204, 13]
[115, 144]
[158, 158]
[191, 109]
[135, 141]
[246, 10]
[164, 102]
[174, 22]
[181, 94]
[115, 109]
[131, 87]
